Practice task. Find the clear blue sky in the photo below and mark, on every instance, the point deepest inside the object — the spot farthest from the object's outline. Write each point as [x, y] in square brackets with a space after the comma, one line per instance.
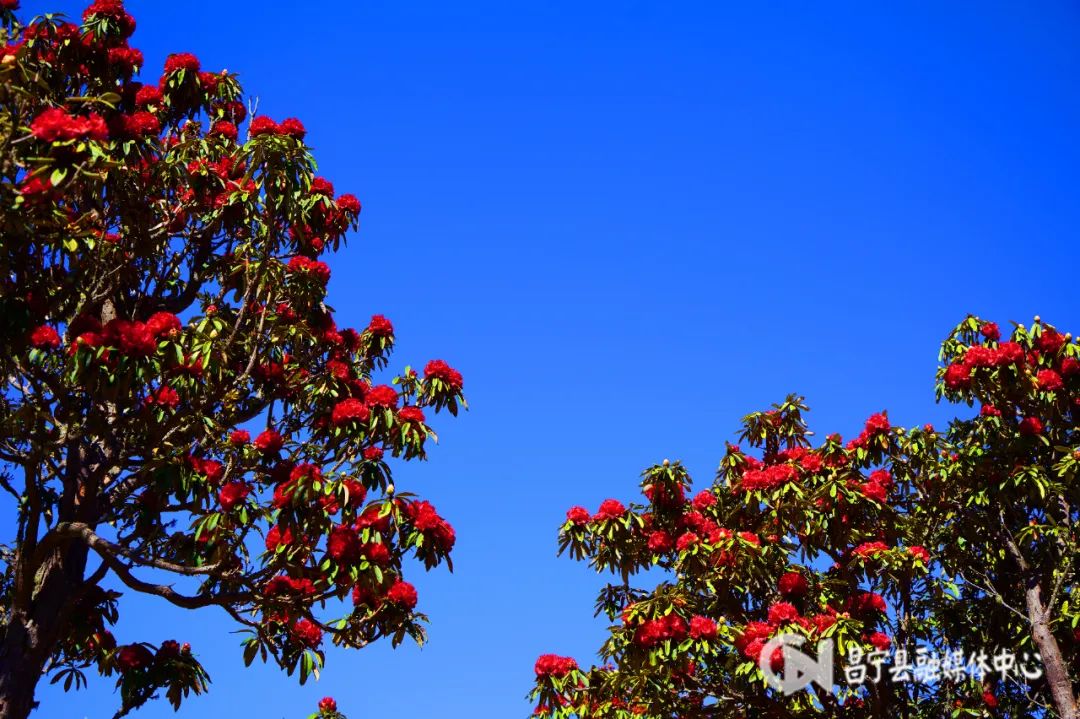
[637, 222]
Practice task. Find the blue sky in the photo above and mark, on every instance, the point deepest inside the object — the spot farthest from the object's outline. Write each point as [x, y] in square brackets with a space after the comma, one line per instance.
[629, 224]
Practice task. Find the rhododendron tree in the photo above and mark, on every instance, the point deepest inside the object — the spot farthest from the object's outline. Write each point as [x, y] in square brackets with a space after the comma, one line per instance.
[899, 539]
[182, 416]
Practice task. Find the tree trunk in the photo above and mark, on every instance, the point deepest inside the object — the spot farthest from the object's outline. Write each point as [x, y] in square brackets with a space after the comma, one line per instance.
[32, 632]
[1057, 671]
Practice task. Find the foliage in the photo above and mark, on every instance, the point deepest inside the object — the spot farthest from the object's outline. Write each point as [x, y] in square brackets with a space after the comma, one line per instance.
[162, 301]
[899, 538]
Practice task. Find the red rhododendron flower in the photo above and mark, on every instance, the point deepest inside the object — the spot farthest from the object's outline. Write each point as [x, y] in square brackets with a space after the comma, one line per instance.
[703, 500]
[864, 603]
[209, 468]
[660, 542]
[868, 549]
[382, 396]
[44, 337]
[313, 268]
[163, 324]
[552, 665]
[377, 553]
[687, 541]
[1070, 366]
[1050, 341]
[702, 628]
[610, 509]
[327, 705]
[132, 338]
[148, 95]
[958, 376]
[233, 494]
[307, 633]
[793, 584]
[380, 327]
[322, 186]
[577, 515]
[278, 537]
[348, 203]
[1049, 380]
[269, 442]
[990, 331]
[181, 61]
[226, 129]
[989, 410]
[1010, 353]
[133, 656]
[920, 553]
[655, 631]
[139, 124]
[437, 369]
[343, 544]
[881, 641]
[55, 124]
[262, 125]
[402, 594]
[877, 424]
[293, 128]
[1030, 426]
[164, 396]
[411, 414]
[239, 437]
[782, 613]
[989, 699]
[373, 454]
[350, 410]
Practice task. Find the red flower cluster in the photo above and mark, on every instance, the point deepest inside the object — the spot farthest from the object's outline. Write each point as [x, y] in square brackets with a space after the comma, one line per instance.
[283, 584]
[164, 396]
[866, 603]
[768, 478]
[278, 537]
[411, 414]
[793, 584]
[920, 553]
[233, 494]
[212, 469]
[877, 486]
[327, 705]
[44, 337]
[610, 509]
[577, 515]
[552, 665]
[133, 657]
[383, 396]
[1030, 426]
[702, 628]
[782, 613]
[55, 124]
[869, 549]
[402, 594]
[350, 410]
[434, 528]
[343, 545]
[655, 631]
[380, 327]
[1049, 380]
[312, 268]
[239, 437]
[439, 370]
[112, 10]
[290, 127]
[269, 442]
[958, 375]
[181, 61]
[307, 633]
